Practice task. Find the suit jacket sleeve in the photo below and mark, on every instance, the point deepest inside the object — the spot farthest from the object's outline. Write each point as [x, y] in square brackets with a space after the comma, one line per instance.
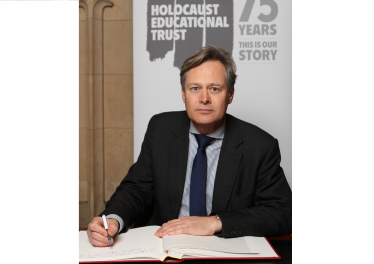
[135, 191]
[266, 211]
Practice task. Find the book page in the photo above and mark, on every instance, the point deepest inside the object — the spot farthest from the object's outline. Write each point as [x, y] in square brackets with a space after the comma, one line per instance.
[136, 243]
[255, 244]
[261, 245]
[201, 253]
[203, 244]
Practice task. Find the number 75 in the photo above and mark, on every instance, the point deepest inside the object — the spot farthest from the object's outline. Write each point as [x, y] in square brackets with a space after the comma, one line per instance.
[264, 18]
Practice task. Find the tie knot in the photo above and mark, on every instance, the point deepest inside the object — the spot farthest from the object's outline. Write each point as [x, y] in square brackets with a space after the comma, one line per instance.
[203, 140]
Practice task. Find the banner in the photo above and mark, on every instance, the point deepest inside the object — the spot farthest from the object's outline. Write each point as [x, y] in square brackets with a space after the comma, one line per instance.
[256, 32]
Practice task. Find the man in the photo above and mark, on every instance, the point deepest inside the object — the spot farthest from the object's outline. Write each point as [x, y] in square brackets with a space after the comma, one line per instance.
[207, 172]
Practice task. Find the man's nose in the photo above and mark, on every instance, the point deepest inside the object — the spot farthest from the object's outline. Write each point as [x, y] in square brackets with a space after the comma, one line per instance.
[205, 97]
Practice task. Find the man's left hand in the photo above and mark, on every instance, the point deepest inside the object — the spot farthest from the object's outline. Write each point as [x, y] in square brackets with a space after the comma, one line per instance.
[191, 225]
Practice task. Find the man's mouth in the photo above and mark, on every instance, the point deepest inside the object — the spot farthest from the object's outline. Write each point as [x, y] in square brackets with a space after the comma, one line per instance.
[204, 110]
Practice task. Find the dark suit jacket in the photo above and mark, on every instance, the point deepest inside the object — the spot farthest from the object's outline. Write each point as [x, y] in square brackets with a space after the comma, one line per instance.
[251, 194]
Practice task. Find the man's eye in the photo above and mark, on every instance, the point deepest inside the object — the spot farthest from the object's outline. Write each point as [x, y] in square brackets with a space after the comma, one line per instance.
[194, 88]
[214, 89]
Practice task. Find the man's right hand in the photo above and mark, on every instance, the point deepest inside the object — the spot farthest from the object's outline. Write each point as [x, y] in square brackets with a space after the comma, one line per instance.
[97, 234]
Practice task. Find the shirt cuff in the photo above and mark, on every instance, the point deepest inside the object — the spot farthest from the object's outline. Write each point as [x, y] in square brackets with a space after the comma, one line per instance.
[119, 219]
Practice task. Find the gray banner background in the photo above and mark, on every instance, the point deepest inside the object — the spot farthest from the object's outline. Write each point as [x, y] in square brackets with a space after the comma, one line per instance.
[263, 92]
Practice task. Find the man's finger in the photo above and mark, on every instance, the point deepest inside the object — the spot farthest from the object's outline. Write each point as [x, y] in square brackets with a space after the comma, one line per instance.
[97, 234]
[103, 239]
[98, 220]
[178, 231]
[164, 228]
[99, 237]
[171, 227]
[112, 230]
[174, 221]
[171, 224]
[96, 227]
[113, 226]
[98, 243]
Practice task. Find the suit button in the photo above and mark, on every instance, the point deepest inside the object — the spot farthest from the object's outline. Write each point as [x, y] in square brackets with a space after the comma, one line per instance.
[233, 232]
[239, 232]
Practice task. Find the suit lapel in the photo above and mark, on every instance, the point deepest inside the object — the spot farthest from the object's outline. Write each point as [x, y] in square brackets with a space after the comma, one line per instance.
[228, 165]
[177, 160]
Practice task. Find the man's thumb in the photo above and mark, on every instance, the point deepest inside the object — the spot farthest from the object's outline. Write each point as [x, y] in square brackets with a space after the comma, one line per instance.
[113, 227]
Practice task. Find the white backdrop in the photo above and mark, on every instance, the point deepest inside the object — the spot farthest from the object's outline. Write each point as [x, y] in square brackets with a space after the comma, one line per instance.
[263, 89]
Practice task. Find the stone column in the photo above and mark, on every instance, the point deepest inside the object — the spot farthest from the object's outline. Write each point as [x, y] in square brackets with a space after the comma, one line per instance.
[91, 106]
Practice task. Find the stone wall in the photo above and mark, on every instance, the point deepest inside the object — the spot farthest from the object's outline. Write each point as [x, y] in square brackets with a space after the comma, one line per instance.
[105, 101]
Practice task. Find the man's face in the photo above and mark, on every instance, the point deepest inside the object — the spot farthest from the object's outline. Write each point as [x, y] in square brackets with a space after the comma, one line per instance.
[206, 96]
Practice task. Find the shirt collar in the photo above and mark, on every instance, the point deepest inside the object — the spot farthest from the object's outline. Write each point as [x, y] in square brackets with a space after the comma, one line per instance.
[218, 134]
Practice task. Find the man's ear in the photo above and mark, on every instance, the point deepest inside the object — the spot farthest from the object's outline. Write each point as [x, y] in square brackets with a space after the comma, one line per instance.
[231, 96]
[183, 96]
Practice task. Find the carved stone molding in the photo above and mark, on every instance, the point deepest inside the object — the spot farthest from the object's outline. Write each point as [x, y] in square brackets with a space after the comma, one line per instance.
[94, 14]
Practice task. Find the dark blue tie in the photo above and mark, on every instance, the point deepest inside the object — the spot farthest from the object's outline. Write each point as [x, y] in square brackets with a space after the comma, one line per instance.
[198, 177]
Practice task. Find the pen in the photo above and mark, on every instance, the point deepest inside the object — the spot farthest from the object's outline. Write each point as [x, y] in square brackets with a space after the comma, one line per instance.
[106, 228]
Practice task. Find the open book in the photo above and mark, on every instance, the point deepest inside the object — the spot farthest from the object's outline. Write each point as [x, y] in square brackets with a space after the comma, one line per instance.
[142, 244]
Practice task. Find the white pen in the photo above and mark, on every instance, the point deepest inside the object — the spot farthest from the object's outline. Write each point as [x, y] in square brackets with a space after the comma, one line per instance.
[106, 228]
